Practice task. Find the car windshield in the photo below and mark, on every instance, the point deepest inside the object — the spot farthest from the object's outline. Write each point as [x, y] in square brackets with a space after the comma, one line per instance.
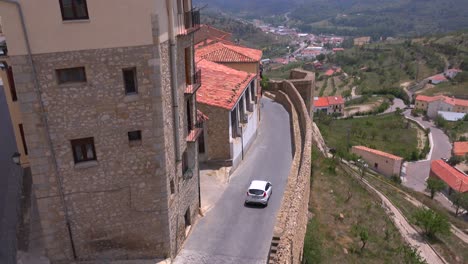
[255, 191]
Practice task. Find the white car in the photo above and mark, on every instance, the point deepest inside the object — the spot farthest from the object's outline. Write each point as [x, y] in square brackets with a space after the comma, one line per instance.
[259, 192]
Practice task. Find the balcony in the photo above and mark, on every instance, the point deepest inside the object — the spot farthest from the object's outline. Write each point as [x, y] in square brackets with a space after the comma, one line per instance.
[189, 22]
[192, 87]
[195, 131]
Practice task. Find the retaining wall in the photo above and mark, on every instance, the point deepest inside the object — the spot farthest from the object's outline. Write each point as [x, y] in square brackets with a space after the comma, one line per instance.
[291, 224]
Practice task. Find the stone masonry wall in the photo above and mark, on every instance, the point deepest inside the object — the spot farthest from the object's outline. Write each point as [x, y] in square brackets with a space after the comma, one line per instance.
[217, 140]
[114, 202]
[292, 217]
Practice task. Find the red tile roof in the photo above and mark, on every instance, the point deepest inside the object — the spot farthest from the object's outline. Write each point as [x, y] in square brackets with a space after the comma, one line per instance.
[223, 52]
[460, 148]
[457, 180]
[335, 100]
[321, 102]
[455, 101]
[438, 77]
[327, 101]
[378, 152]
[428, 99]
[201, 117]
[330, 72]
[221, 86]
[448, 100]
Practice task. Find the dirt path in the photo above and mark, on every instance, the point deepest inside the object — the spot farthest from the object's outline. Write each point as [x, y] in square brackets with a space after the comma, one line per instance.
[409, 233]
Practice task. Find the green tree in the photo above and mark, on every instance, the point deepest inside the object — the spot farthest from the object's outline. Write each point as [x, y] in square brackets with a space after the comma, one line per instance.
[346, 94]
[364, 236]
[440, 122]
[264, 82]
[460, 200]
[454, 160]
[434, 185]
[411, 255]
[431, 222]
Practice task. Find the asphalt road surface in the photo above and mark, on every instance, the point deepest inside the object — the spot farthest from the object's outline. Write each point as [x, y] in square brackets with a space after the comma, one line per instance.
[232, 232]
[9, 173]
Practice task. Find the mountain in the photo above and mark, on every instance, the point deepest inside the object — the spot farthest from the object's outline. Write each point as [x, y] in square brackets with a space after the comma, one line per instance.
[354, 17]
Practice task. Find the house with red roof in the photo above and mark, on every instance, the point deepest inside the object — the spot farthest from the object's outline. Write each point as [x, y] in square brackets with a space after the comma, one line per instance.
[229, 99]
[382, 162]
[207, 34]
[456, 180]
[451, 73]
[460, 148]
[435, 104]
[436, 79]
[330, 105]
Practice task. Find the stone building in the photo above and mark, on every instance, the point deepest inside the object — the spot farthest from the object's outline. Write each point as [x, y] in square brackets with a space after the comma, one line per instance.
[228, 97]
[432, 105]
[382, 162]
[455, 180]
[106, 98]
[329, 105]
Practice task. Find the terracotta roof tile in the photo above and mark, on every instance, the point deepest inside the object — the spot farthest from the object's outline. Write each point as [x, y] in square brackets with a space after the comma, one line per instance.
[438, 77]
[221, 86]
[334, 100]
[451, 176]
[460, 148]
[327, 101]
[425, 98]
[223, 52]
[448, 100]
[378, 152]
[320, 102]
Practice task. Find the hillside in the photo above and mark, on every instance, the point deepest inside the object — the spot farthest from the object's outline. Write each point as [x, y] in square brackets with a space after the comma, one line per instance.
[355, 17]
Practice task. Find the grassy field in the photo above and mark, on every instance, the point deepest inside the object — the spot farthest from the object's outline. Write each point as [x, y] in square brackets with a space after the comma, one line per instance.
[282, 72]
[451, 247]
[390, 133]
[449, 89]
[455, 130]
[334, 239]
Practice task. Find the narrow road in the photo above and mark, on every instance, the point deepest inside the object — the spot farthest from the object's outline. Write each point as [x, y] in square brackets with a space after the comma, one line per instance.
[231, 232]
[417, 172]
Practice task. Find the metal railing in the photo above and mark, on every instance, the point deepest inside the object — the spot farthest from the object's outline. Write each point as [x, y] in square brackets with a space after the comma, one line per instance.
[189, 21]
[195, 83]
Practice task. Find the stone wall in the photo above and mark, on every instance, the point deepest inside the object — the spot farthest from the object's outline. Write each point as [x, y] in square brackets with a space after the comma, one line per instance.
[385, 165]
[292, 219]
[121, 205]
[217, 140]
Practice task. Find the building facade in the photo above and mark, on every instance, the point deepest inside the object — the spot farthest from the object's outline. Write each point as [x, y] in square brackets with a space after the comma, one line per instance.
[106, 95]
[228, 98]
[433, 104]
[382, 162]
[331, 105]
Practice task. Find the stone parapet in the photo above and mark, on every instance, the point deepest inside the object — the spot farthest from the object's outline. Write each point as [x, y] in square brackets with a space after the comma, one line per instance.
[291, 224]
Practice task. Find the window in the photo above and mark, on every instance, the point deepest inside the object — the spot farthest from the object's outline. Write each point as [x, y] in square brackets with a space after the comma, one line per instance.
[252, 92]
[234, 124]
[187, 219]
[134, 135]
[23, 139]
[172, 187]
[11, 82]
[189, 116]
[71, 75]
[74, 9]
[185, 166]
[83, 149]
[130, 80]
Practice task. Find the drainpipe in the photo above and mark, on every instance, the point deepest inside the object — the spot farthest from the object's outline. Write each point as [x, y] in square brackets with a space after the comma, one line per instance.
[174, 84]
[175, 103]
[46, 123]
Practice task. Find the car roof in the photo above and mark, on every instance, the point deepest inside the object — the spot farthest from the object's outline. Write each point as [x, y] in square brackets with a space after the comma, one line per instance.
[258, 185]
